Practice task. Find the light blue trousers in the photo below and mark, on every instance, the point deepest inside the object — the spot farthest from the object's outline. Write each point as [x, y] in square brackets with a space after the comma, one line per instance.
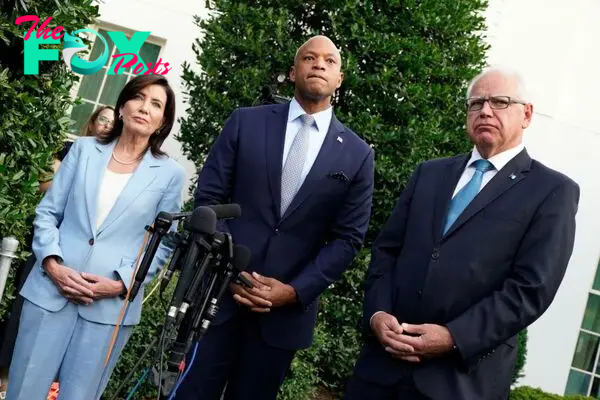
[62, 344]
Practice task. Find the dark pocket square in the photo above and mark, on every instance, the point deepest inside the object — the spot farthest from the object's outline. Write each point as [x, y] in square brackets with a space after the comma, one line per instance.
[340, 176]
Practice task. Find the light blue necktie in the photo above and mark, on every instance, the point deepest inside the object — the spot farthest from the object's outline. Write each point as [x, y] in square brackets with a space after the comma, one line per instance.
[467, 193]
[291, 175]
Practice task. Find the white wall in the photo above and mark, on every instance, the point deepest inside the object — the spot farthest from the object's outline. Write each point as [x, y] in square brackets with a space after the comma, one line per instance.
[172, 23]
[553, 43]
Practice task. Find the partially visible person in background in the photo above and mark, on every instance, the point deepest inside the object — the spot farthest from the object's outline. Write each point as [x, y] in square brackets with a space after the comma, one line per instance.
[86, 247]
[99, 124]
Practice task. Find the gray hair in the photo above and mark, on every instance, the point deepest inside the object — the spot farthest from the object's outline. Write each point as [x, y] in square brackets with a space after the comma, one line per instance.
[508, 72]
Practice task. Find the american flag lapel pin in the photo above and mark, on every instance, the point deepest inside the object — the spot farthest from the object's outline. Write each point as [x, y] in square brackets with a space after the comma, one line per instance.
[339, 139]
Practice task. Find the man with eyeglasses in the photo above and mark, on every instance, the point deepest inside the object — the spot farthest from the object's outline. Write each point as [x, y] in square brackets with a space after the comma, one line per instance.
[472, 254]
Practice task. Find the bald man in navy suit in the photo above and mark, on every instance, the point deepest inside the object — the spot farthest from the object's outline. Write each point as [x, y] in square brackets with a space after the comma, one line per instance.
[305, 184]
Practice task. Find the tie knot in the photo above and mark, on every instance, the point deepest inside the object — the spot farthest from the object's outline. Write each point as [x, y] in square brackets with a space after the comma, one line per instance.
[307, 119]
[483, 165]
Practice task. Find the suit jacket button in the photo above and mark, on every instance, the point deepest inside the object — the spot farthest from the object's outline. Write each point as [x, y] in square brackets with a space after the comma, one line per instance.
[91, 242]
[276, 230]
[435, 255]
[419, 293]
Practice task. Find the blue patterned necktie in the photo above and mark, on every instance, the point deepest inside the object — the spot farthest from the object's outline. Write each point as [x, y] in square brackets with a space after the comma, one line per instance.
[467, 193]
[291, 175]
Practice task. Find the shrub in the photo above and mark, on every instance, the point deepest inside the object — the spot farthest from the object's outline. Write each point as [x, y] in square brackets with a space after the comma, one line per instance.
[33, 122]
[529, 393]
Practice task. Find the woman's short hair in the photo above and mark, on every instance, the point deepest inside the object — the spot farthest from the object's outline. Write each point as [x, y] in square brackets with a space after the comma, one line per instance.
[88, 128]
[131, 89]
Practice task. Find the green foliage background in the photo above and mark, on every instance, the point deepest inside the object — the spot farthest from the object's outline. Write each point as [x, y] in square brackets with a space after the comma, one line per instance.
[33, 122]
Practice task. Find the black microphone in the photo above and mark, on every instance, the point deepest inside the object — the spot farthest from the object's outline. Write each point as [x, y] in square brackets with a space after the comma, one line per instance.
[226, 211]
[241, 259]
[239, 263]
[181, 240]
[162, 223]
[223, 211]
[210, 262]
[202, 223]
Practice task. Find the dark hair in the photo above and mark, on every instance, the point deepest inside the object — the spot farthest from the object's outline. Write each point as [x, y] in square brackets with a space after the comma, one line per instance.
[87, 128]
[131, 89]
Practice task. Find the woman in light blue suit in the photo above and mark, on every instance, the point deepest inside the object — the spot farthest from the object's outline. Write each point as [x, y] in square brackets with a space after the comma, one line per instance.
[89, 228]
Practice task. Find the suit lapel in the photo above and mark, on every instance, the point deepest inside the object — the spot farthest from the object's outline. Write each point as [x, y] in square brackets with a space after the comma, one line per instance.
[330, 150]
[142, 177]
[94, 173]
[276, 125]
[446, 185]
[512, 173]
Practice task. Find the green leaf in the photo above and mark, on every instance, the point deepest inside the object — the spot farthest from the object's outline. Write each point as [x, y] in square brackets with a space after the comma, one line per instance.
[18, 176]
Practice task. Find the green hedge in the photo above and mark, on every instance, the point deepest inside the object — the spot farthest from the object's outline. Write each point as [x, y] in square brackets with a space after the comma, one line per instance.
[529, 393]
[33, 122]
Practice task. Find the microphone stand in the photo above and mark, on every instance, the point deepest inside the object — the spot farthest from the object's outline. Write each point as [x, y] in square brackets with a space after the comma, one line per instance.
[197, 300]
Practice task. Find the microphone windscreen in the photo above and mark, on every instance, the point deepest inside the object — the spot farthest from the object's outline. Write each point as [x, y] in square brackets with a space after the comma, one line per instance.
[203, 220]
[241, 257]
[226, 210]
[164, 218]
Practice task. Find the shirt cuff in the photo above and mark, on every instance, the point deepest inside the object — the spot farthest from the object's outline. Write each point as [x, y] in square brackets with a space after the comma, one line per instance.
[372, 316]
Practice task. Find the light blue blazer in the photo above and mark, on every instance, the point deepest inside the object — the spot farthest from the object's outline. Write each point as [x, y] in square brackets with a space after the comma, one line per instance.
[65, 226]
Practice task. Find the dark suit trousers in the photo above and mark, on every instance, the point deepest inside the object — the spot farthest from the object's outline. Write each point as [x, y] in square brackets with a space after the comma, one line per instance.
[234, 353]
[359, 389]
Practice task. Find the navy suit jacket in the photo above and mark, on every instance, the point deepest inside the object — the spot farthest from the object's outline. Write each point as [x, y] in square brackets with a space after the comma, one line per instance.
[311, 245]
[494, 272]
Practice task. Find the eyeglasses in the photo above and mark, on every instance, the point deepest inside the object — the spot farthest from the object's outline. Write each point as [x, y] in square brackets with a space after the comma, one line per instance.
[104, 121]
[495, 102]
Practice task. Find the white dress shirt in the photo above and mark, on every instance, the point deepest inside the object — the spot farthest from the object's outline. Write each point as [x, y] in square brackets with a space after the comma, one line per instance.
[498, 161]
[316, 136]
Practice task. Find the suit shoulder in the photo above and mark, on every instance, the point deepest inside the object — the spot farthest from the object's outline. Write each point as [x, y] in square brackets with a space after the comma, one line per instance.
[83, 145]
[552, 176]
[173, 166]
[357, 140]
[441, 162]
[84, 142]
[259, 110]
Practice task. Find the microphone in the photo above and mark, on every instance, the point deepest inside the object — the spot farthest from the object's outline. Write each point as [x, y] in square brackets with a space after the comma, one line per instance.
[241, 259]
[239, 263]
[162, 223]
[223, 211]
[182, 242]
[210, 262]
[226, 211]
[203, 222]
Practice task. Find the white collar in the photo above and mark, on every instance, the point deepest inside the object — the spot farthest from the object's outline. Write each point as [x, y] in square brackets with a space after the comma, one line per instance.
[499, 160]
[322, 118]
